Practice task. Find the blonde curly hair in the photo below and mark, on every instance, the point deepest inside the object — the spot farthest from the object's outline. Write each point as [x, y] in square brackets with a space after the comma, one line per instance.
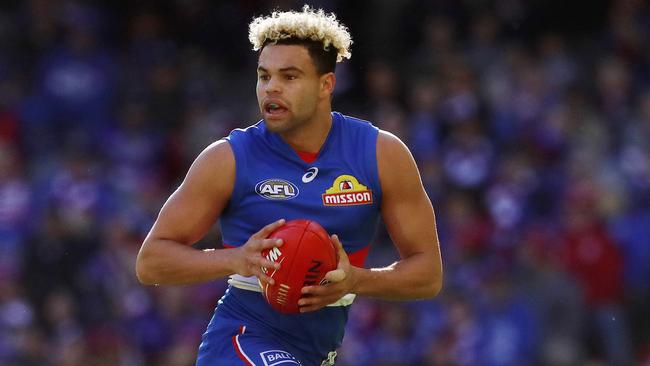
[310, 24]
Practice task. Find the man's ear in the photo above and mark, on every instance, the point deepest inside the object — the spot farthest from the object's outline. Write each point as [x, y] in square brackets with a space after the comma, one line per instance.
[327, 83]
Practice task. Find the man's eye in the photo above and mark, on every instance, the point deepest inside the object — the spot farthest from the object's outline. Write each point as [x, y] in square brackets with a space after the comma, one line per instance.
[264, 77]
[291, 77]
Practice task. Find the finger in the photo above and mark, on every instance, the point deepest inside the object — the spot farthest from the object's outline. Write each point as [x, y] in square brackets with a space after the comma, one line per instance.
[315, 303]
[259, 245]
[269, 265]
[270, 243]
[263, 277]
[337, 243]
[306, 309]
[308, 291]
[261, 262]
[310, 306]
[268, 229]
[336, 275]
[309, 301]
[320, 295]
[340, 252]
[330, 289]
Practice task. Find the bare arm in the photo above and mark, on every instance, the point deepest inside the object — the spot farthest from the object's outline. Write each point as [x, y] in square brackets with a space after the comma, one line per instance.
[409, 218]
[410, 221]
[166, 255]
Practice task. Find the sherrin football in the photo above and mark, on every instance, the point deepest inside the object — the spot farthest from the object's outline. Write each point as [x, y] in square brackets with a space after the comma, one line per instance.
[305, 256]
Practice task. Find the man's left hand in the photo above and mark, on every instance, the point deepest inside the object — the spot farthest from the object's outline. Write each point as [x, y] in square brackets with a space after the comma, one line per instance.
[341, 282]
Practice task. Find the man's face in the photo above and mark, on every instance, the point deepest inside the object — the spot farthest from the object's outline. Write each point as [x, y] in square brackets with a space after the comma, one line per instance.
[288, 86]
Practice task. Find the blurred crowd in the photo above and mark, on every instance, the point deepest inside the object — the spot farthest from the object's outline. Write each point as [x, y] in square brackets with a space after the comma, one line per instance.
[530, 122]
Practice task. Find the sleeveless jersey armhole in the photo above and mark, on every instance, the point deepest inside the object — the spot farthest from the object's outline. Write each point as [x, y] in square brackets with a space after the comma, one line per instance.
[240, 162]
[372, 163]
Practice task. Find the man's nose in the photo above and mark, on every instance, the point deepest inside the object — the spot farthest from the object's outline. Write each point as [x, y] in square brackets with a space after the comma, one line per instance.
[273, 85]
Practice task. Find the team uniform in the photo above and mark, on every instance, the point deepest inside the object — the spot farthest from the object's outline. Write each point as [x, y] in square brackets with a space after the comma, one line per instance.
[340, 189]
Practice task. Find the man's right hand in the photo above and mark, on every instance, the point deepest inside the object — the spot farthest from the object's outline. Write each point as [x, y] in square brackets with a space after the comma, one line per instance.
[248, 258]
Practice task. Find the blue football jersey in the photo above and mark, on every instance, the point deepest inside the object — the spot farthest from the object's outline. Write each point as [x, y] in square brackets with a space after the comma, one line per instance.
[340, 190]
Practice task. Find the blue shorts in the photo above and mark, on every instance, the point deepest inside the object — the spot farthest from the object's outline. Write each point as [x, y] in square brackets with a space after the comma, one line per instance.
[237, 335]
[244, 347]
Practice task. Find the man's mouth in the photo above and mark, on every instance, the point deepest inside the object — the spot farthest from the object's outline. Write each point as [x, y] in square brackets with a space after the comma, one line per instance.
[273, 108]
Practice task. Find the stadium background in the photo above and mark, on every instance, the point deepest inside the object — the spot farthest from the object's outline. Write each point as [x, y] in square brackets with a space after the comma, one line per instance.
[530, 121]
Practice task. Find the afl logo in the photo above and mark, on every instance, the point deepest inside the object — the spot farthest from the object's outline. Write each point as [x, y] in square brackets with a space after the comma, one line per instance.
[276, 189]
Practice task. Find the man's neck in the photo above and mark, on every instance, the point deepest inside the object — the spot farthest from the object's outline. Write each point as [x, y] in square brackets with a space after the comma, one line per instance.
[311, 136]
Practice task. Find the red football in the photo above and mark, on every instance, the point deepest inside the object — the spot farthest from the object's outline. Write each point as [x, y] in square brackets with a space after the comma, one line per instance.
[306, 255]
